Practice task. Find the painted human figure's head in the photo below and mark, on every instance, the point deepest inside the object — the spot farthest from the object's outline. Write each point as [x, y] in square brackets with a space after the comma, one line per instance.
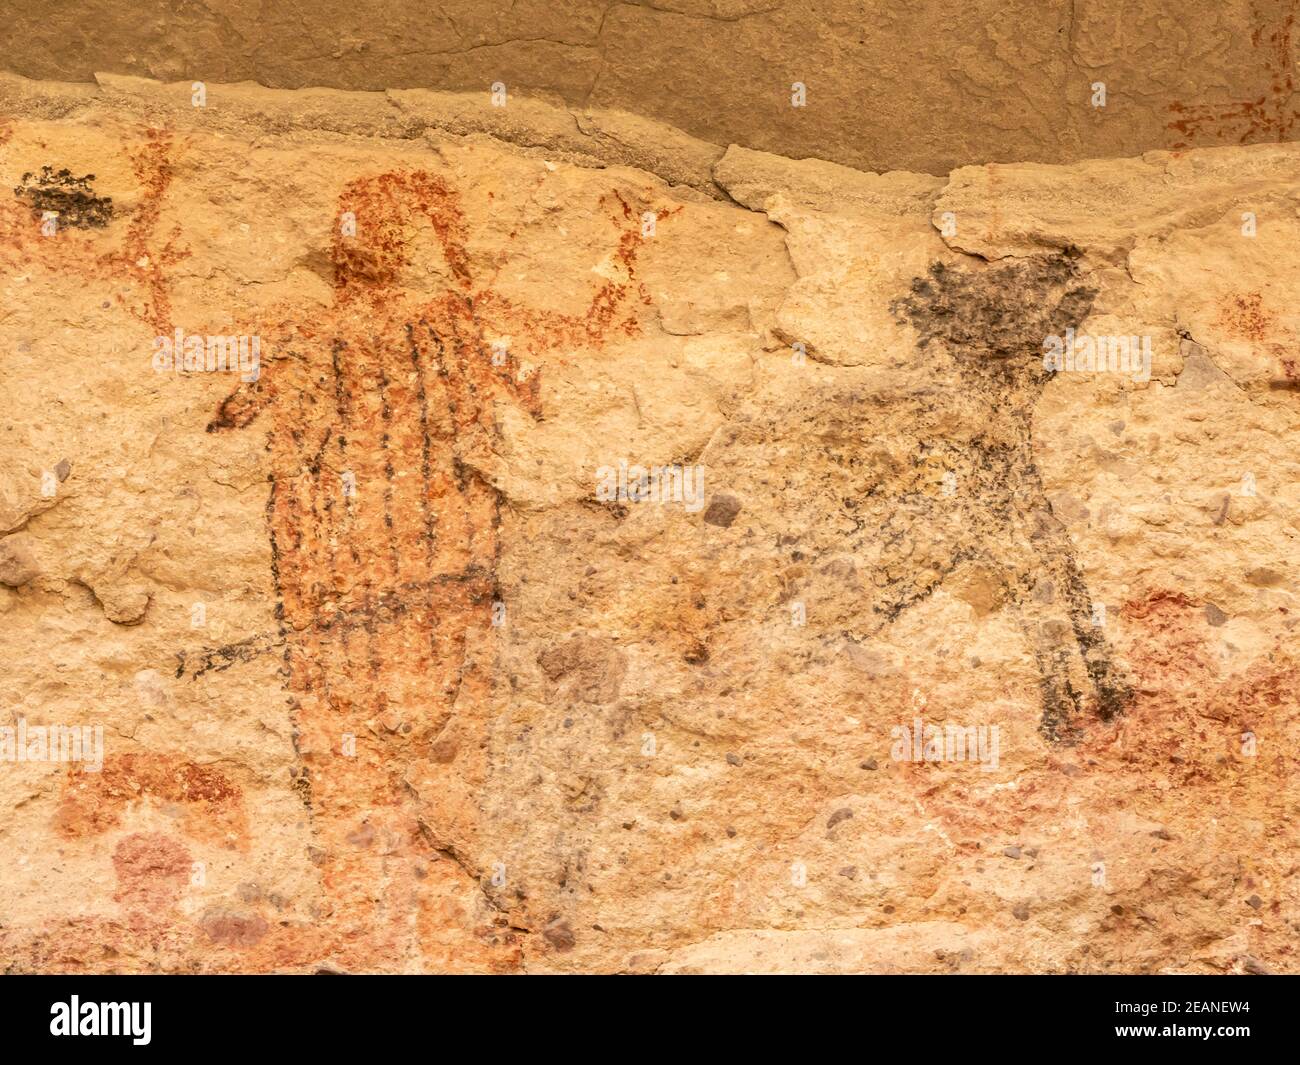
[379, 220]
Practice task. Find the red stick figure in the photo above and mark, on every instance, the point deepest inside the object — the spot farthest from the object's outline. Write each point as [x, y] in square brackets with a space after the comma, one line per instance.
[384, 544]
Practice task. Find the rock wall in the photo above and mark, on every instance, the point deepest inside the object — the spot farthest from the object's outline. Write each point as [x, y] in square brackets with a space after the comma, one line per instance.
[923, 85]
[926, 653]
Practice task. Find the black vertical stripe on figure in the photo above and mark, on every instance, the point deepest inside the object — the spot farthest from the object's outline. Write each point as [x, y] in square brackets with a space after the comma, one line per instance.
[373, 596]
[385, 441]
[426, 475]
[314, 596]
[341, 408]
[275, 552]
[466, 377]
[442, 351]
[302, 784]
[286, 670]
[426, 460]
[452, 371]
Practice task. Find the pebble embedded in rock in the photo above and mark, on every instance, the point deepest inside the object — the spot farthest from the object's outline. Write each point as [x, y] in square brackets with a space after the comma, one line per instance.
[559, 935]
[17, 563]
[722, 511]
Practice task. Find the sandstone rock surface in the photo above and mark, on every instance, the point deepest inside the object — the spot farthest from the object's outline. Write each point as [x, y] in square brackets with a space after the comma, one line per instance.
[388, 683]
[921, 85]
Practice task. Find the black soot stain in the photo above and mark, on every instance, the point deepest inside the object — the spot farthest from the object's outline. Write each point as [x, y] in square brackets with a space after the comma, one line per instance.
[72, 198]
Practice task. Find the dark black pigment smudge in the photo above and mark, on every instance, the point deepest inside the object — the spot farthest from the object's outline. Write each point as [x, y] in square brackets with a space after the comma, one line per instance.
[73, 199]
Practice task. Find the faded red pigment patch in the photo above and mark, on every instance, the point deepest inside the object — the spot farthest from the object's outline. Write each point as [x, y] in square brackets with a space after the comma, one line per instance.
[152, 870]
[1190, 705]
[1212, 761]
[150, 934]
[1269, 116]
[1244, 316]
[212, 805]
[1174, 655]
[234, 929]
[1184, 728]
[1204, 759]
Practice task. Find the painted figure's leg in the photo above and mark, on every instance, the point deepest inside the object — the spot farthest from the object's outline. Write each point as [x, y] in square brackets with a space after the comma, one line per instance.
[1076, 665]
